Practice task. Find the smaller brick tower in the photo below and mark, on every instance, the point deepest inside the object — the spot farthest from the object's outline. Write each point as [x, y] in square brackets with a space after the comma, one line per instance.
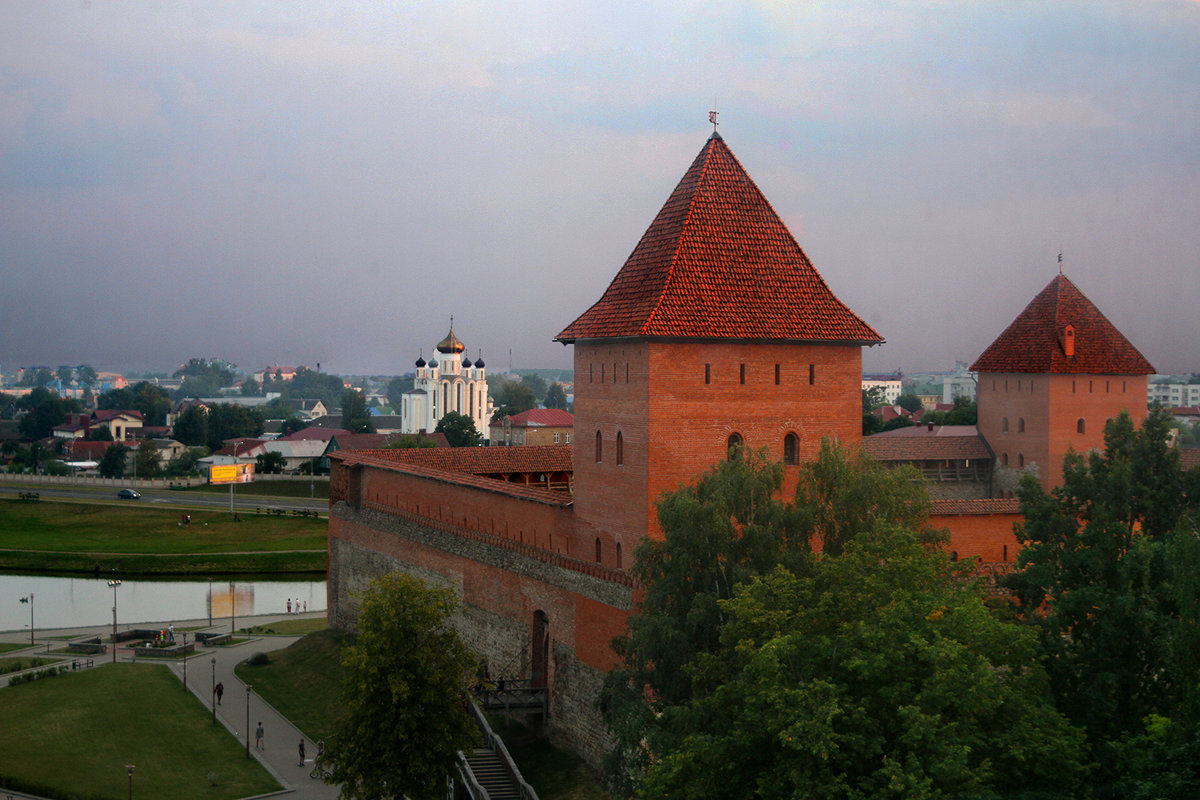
[717, 331]
[1051, 381]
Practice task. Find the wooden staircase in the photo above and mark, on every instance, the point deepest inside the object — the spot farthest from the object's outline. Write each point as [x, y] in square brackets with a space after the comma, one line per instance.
[489, 770]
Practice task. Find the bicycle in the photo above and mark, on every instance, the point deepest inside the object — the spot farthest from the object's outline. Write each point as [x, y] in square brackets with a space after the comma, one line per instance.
[319, 770]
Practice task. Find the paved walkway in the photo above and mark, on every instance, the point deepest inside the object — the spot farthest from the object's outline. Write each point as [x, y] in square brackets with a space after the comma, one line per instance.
[280, 754]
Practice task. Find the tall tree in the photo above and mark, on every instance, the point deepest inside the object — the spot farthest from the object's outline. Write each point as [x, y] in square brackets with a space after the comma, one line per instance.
[536, 384]
[112, 464]
[404, 721]
[191, 427]
[86, 375]
[229, 421]
[65, 374]
[43, 410]
[511, 397]
[354, 412]
[1106, 571]
[146, 460]
[556, 396]
[459, 430]
[271, 462]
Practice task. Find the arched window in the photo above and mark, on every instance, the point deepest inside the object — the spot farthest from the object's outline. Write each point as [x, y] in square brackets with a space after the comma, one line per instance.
[599, 448]
[598, 550]
[620, 565]
[1004, 459]
[1020, 459]
[791, 449]
[734, 446]
[1021, 425]
[620, 449]
[445, 397]
[1080, 426]
[1004, 425]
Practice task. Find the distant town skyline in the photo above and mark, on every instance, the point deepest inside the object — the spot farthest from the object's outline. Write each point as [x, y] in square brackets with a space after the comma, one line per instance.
[302, 183]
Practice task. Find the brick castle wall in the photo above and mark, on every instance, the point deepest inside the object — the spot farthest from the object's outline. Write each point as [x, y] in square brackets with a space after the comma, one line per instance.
[501, 588]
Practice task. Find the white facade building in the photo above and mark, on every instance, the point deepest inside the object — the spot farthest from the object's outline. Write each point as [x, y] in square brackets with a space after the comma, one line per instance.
[890, 387]
[1172, 395]
[449, 381]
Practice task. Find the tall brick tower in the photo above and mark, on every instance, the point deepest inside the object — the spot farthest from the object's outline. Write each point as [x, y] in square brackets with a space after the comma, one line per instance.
[717, 331]
[1050, 382]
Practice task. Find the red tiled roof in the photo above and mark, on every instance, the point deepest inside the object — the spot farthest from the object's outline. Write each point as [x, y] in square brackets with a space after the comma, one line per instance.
[483, 460]
[1189, 457]
[718, 262]
[928, 445]
[1034, 342]
[998, 505]
[543, 418]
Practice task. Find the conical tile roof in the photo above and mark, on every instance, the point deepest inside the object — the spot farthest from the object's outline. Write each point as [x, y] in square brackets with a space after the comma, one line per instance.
[1037, 341]
[718, 262]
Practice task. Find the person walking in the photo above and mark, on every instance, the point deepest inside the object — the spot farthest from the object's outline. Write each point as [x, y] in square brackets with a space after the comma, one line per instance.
[220, 690]
[302, 752]
[289, 605]
[258, 737]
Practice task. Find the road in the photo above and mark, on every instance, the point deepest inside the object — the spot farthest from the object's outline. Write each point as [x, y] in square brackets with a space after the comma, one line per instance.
[170, 498]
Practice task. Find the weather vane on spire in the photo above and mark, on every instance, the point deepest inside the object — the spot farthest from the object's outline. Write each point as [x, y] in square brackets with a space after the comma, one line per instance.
[1060, 262]
[712, 117]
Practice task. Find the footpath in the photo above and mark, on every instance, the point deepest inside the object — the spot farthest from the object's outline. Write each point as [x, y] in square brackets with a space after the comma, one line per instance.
[209, 665]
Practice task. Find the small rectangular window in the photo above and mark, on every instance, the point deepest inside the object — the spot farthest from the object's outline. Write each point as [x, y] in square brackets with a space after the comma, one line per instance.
[812, 374]
[556, 438]
[742, 373]
[776, 374]
[708, 373]
[591, 373]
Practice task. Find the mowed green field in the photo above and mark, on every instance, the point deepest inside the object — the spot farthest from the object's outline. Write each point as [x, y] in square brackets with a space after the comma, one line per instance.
[80, 537]
[72, 735]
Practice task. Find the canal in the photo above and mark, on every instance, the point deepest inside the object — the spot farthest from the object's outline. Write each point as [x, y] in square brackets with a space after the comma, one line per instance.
[69, 602]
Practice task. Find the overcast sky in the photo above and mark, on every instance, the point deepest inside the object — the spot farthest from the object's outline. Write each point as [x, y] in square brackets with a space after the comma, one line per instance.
[293, 183]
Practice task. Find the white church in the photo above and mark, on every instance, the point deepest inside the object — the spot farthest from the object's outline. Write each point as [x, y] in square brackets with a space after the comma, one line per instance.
[449, 381]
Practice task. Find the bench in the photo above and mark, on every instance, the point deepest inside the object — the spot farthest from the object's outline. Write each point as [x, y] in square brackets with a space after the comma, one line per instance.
[27, 495]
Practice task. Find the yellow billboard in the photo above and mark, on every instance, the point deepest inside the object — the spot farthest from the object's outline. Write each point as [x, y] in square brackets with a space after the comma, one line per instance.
[231, 473]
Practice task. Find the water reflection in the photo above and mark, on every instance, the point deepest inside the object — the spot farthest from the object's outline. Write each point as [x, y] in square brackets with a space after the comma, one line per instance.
[80, 602]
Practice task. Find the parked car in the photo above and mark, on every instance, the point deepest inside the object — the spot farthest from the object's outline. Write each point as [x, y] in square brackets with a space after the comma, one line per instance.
[128, 494]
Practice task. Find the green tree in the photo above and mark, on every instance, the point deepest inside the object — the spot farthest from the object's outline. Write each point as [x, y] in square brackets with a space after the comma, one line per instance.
[882, 674]
[43, 410]
[728, 527]
[909, 402]
[965, 412]
[191, 427]
[404, 721]
[251, 388]
[65, 374]
[292, 424]
[112, 464]
[271, 462]
[229, 421]
[556, 396]
[536, 384]
[459, 430]
[86, 375]
[146, 460]
[309, 384]
[511, 397]
[203, 377]
[1108, 571]
[354, 412]
[186, 463]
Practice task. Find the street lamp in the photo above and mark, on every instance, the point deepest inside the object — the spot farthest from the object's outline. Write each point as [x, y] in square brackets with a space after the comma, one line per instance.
[129, 772]
[247, 720]
[232, 611]
[185, 660]
[214, 689]
[30, 601]
[210, 602]
[114, 584]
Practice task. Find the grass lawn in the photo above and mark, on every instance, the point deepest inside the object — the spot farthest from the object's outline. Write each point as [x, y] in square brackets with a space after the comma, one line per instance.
[7, 646]
[72, 735]
[79, 537]
[303, 682]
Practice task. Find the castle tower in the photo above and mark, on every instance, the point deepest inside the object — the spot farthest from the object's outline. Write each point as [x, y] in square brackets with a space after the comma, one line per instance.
[717, 331]
[1050, 382]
